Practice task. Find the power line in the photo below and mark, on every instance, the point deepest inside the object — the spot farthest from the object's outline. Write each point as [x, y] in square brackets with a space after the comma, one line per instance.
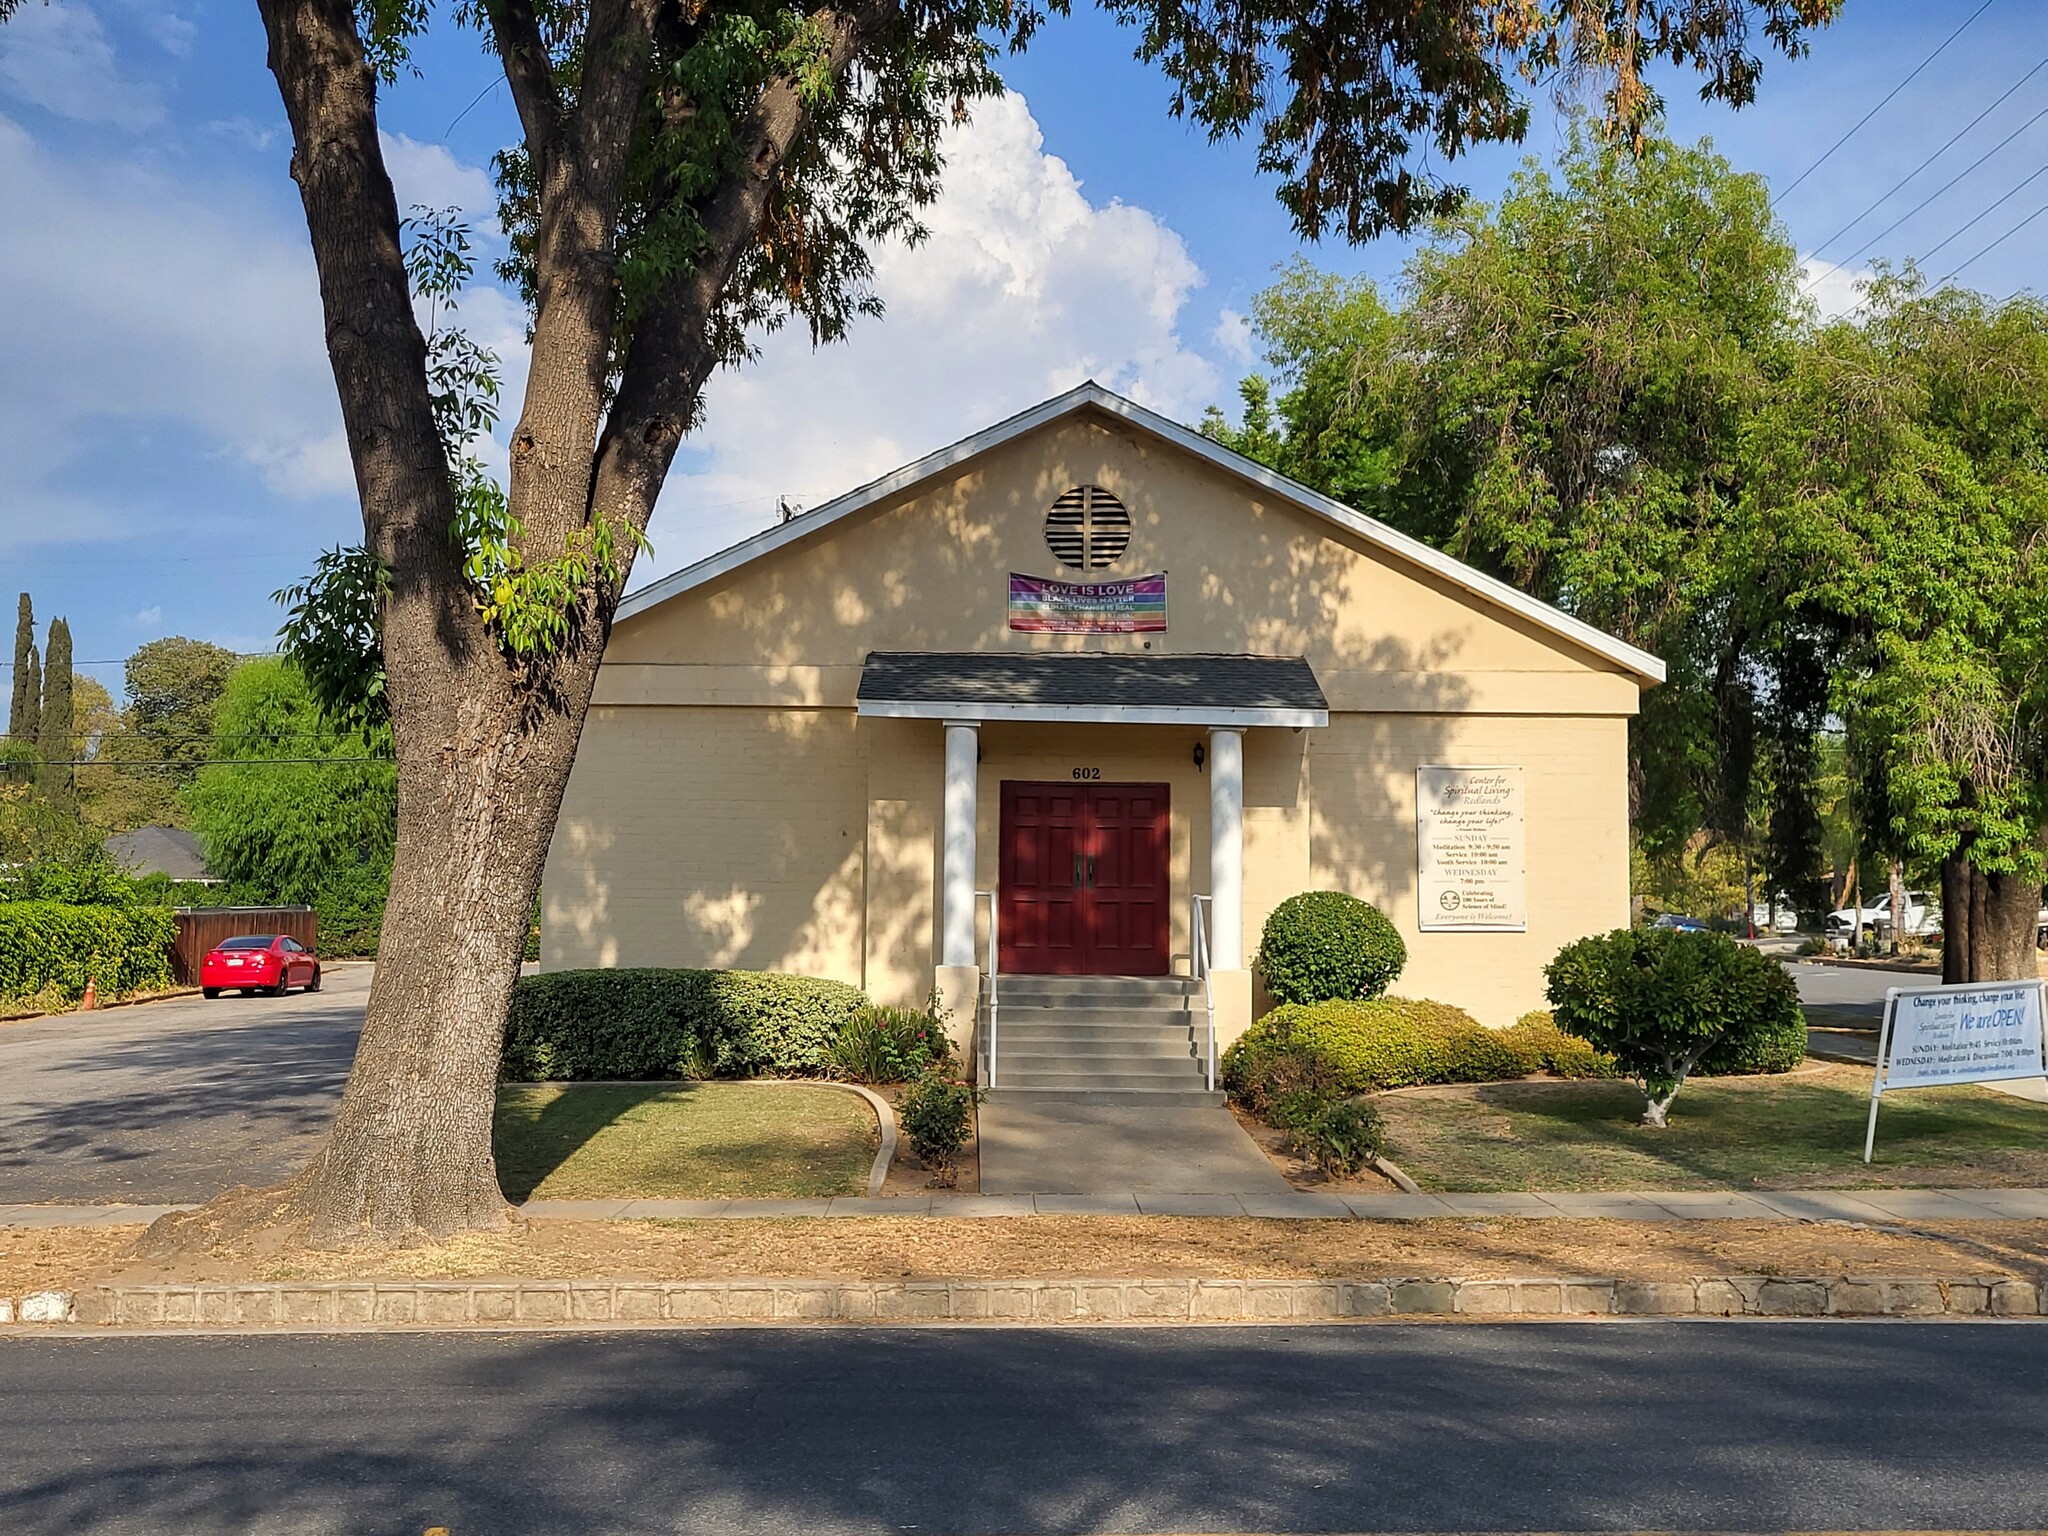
[1937, 192]
[1886, 196]
[1994, 245]
[1866, 117]
[2015, 192]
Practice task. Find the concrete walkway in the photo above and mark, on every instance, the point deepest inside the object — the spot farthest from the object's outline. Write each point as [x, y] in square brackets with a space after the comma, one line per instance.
[1884, 1206]
[1120, 1152]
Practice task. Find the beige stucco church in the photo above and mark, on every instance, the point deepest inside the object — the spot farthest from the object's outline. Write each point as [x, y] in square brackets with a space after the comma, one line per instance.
[1115, 690]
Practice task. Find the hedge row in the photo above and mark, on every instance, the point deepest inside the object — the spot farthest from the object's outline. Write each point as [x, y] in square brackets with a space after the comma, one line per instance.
[1392, 1042]
[569, 1026]
[52, 945]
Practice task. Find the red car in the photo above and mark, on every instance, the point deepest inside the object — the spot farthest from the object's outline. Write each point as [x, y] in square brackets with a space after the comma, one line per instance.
[259, 962]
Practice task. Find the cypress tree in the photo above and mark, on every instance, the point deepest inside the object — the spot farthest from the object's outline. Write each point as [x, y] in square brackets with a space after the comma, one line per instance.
[58, 774]
[25, 678]
[30, 726]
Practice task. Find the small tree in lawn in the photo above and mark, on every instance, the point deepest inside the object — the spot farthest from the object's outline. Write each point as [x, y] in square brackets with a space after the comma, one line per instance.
[1658, 1000]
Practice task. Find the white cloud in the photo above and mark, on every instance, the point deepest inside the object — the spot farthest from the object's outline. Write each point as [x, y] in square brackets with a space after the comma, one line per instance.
[429, 176]
[56, 56]
[1835, 290]
[1233, 334]
[132, 301]
[165, 27]
[1025, 288]
[150, 619]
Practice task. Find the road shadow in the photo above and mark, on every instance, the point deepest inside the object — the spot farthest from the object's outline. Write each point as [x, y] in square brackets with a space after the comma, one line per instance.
[1579, 1427]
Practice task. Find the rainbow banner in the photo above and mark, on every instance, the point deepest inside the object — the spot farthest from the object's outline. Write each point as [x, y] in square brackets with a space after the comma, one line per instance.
[1042, 606]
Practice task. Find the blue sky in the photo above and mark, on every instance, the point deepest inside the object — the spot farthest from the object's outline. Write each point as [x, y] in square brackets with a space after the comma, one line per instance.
[169, 443]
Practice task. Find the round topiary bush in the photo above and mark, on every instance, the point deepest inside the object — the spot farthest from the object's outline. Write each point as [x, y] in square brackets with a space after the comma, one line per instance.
[1324, 946]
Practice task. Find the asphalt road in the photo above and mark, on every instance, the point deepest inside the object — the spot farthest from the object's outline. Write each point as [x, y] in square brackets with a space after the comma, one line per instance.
[177, 1100]
[1621, 1426]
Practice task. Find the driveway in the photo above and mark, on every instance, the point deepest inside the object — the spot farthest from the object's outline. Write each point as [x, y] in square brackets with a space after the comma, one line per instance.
[174, 1101]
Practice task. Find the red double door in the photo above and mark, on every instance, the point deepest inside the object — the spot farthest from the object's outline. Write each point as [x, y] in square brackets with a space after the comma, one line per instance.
[1083, 888]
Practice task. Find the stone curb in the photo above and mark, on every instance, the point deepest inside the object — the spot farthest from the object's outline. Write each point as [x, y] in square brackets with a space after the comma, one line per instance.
[368, 1303]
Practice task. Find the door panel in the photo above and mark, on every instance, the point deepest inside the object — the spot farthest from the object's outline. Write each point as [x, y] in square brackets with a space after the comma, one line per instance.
[1042, 830]
[1084, 881]
[1128, 895]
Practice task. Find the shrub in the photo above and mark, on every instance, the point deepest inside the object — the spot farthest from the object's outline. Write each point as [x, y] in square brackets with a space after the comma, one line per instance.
[1342, 1137]
[1774, 1043]
[1389, 1042]
[1660, 1001]
[1813, 944]
[879, 1044]
[640, 1024]
[1566, 1055]
[1323, 946]
[55, 945]
[936, 1116]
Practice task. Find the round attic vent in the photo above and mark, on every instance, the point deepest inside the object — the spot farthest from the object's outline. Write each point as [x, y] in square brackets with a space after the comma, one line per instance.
[1088, 528]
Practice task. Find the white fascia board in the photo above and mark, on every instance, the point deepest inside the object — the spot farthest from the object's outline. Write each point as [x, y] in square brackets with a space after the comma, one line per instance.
[1500, 593]
[962, 713]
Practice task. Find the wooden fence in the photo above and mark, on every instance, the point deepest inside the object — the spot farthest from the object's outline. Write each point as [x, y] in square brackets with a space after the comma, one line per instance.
[200, 928]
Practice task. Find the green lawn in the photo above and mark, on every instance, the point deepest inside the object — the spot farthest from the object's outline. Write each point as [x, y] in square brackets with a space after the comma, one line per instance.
[1797, 1131]
[584, 1141]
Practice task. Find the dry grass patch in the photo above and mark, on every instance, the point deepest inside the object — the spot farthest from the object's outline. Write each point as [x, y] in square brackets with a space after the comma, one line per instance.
[902, 1247]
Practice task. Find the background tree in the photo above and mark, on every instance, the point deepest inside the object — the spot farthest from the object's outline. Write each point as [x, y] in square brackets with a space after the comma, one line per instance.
[1903, 507]
[298, 816]
[59, 748]
[688, 174]
[27, 691]
[1561, 399]
[172, 686]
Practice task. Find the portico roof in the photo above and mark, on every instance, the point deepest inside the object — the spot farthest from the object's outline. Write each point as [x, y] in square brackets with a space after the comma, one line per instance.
[1092, 687]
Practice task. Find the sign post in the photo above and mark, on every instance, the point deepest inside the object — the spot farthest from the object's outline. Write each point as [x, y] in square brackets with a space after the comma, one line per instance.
[1978, 1032]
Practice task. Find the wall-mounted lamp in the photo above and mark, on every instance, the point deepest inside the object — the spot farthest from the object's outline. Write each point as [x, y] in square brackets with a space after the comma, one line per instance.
[1201, 756]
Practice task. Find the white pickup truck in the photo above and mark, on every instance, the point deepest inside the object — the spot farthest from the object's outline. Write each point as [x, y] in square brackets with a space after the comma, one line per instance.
[1923, 916]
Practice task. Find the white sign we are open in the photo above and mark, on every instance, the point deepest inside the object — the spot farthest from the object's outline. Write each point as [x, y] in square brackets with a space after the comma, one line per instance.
[1975, 1033]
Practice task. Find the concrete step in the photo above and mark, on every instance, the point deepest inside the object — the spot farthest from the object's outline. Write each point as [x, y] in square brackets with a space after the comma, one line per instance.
[1085, 1015]
[1091, 989]
[1173, 1047]
[1011, 1063]
[1186, 1078]
[1111, 1098]
[1026, 1027]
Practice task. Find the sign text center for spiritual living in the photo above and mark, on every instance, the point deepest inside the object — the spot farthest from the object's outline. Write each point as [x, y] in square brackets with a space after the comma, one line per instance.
[1980, 1032]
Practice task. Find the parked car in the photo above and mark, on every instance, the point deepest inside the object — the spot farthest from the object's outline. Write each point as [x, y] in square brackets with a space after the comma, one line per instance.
[1681, 922]
[258, 962]
[1923, 916]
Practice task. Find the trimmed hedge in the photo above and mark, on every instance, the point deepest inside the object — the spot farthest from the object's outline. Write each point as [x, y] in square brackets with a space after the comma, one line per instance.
[1349, 1048]
[1321, 946]
[1566, 1055]
[59, 946]
[654, 1024]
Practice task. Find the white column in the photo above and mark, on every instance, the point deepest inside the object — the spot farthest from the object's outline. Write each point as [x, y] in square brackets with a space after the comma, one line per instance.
[956, 895]
[1226, 848]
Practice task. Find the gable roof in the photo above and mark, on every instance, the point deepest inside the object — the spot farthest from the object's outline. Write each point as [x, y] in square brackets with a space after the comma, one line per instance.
[159, 850]
[1092, 395]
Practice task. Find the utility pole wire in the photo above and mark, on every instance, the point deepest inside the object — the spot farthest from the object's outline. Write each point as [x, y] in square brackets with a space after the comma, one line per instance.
[2015, 192]
[1866, 117]
[1945, 186]
[1994, 245]
[1896, 187]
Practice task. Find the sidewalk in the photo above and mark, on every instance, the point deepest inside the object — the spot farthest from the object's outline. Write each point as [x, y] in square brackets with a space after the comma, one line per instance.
[1884, 1206]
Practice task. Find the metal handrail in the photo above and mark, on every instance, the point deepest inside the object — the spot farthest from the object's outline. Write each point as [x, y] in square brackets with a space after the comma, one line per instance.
[991, 895]
[1198, 961]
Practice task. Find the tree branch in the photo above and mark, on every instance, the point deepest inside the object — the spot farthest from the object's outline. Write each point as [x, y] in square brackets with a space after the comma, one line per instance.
[672, 353]
[528, 71]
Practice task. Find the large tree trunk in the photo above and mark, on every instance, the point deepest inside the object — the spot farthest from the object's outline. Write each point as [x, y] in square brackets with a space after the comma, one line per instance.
[1988, 923]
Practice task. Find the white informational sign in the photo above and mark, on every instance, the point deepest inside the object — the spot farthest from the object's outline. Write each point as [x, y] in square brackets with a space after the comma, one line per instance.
[1469, 850]
[1978, 1032]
